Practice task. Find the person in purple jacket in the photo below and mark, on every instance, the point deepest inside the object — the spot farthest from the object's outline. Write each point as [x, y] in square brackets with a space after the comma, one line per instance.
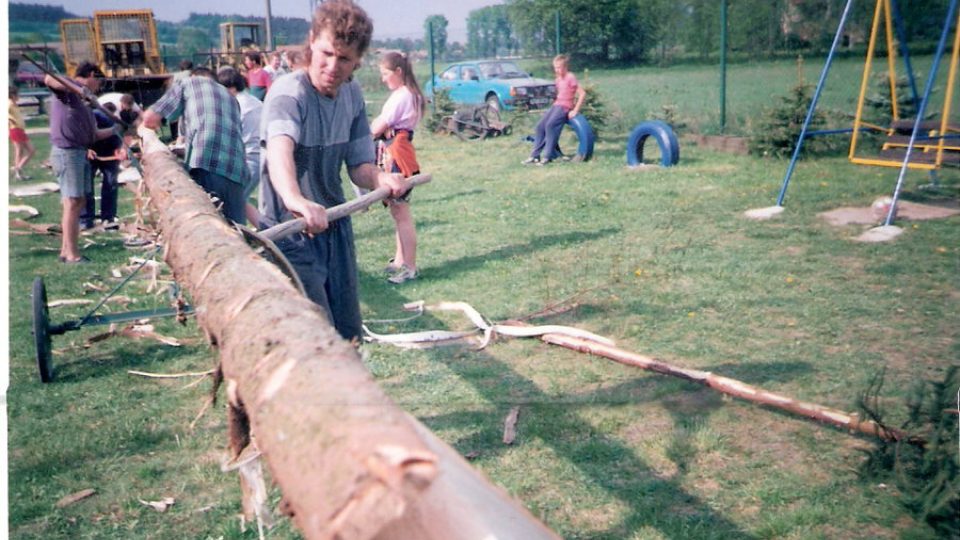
[72, 131]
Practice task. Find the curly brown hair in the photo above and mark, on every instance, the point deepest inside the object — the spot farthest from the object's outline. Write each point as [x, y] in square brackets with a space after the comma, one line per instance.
[347, 22]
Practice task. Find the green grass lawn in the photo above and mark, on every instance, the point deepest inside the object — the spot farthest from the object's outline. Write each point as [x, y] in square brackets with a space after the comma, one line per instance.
[659, 260]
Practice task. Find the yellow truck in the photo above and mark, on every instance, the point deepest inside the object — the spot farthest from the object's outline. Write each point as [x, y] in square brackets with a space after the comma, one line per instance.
[123, 43]
[236, 38]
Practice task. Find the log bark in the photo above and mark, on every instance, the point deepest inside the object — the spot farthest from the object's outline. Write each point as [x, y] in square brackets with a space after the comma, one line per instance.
[462, 504]
[731, 387]
[348, 461]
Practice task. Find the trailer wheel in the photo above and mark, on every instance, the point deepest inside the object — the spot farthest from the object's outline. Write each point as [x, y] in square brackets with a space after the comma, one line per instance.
[41, 331]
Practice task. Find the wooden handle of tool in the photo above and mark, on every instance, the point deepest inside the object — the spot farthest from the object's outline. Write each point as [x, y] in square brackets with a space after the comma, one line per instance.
[294, 226]
[73, 87]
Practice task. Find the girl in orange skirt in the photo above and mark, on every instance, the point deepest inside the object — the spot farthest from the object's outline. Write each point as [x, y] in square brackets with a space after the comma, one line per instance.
[398, 118]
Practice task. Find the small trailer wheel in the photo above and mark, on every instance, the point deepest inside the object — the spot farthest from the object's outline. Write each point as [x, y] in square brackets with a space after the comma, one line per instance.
[41, 331]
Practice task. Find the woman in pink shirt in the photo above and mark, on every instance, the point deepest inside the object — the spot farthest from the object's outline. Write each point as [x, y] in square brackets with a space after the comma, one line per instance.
[398, 118]
[563, 109]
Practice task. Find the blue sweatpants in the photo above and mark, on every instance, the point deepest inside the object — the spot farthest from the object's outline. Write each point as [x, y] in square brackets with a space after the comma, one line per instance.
[548, 133]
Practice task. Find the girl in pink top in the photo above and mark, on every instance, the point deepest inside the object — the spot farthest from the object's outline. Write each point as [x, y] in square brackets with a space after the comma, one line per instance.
[563, 109]
[398, 118]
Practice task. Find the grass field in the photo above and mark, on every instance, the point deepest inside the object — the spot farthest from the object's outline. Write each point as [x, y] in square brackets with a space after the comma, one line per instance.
[660, 260]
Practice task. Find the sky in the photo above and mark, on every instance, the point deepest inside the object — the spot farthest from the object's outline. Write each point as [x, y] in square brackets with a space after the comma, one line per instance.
[391, 18]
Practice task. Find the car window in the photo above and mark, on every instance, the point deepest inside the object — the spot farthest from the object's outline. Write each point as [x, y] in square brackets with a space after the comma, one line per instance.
[470, 73]
[451, 74]
[509, 69]
[491, 70]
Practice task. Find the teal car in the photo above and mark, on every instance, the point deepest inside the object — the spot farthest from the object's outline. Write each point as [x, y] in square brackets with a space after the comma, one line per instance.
[500, 84]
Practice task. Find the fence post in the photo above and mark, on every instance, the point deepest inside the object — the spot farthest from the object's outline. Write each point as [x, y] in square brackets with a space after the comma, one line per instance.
[433, 73]
[723, 65]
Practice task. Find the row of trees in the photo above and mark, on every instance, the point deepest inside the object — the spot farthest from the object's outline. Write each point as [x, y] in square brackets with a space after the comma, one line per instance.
[639, 30]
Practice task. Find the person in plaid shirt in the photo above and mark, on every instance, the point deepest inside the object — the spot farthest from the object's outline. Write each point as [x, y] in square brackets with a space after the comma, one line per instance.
[212, 130]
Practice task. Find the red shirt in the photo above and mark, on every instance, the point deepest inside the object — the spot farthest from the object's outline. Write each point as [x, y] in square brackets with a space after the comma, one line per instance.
[566, 90]
[259, 77]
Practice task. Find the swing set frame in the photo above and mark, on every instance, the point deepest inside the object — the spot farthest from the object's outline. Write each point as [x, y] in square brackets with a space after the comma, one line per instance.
[936, 135]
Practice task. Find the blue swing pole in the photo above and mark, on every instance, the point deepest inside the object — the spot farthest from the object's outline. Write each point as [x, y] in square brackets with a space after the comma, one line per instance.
[947, 24]
[813, 104]
[904, 51]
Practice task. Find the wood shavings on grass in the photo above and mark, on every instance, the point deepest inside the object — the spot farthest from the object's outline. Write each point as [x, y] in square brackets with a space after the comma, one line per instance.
[23, 209]
[510, 425]
[35, 189]
[159, 506]
[52, 229]
[486, 329]
[171, 375]
[134, 331]
[68, 302]
[75, 497]
[95, 287]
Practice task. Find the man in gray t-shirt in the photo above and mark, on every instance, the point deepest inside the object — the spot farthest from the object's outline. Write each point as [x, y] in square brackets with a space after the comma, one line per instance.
[313, 122]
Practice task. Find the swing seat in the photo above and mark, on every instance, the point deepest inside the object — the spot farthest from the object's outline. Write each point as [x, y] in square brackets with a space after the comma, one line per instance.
[905, 125]
[924, 143]
[921, 160]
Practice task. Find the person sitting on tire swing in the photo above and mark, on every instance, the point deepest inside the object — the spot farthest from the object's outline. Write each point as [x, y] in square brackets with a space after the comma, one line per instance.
[563, 109]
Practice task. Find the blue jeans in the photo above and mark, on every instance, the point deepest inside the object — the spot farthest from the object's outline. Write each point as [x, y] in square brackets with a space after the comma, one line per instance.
[548, 133]
[229, 192]
[327, 266]
[108, 192]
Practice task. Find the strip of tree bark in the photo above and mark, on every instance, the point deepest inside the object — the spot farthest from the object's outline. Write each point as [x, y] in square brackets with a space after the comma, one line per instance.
[732, 387]
[348, 461]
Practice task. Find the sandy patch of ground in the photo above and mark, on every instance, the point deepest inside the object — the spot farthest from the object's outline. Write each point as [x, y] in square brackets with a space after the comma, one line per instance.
[905, 210]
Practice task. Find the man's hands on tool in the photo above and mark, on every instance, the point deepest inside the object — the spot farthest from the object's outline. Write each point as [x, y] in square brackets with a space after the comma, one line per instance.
[396, 182]
[312, 213]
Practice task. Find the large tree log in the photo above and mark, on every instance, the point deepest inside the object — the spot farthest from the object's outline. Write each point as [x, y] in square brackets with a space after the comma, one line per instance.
[348, 461]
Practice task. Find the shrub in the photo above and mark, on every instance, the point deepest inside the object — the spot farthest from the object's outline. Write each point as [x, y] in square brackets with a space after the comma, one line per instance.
[594, 107]
[928, 475]
[442, 106]
[779, 127]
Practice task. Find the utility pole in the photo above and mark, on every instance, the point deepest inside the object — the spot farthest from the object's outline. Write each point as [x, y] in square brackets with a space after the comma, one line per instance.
[723, 65]
[270, 46]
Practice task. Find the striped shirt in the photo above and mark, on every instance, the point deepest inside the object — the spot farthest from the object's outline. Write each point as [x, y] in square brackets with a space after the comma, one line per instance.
[213, 128]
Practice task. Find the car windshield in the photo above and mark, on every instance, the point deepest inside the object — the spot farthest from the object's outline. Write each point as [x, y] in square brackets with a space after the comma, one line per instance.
[501, 70]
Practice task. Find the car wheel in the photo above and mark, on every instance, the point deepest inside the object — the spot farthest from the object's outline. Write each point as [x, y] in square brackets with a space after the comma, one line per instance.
[494, 102]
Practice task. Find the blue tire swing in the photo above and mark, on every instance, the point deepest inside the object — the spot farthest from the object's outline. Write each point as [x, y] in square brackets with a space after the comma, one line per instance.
[666, 140]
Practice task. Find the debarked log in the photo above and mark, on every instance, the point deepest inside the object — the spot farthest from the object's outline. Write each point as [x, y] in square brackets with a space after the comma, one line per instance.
[349, 462]
[733, 387]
